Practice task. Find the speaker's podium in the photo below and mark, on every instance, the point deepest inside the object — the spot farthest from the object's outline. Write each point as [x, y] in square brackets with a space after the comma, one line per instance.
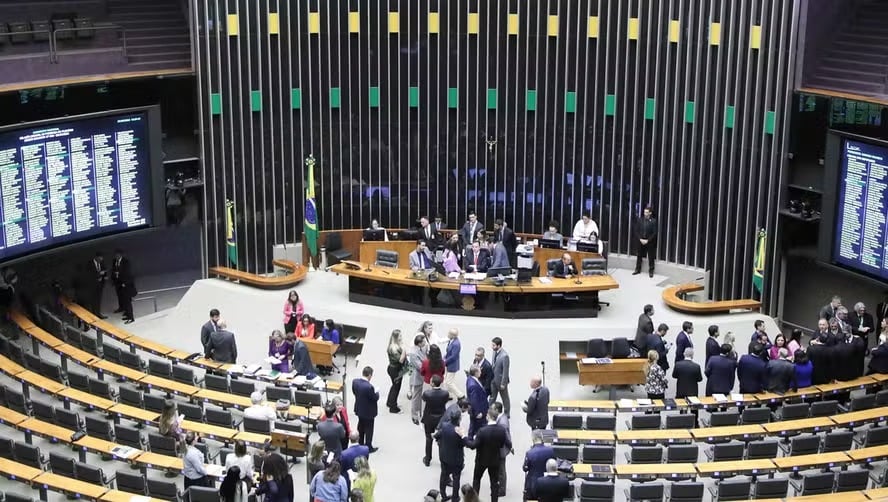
[289, 442]
[321, 352]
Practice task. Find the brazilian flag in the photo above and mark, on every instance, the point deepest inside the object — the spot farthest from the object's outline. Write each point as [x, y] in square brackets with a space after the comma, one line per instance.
[310, 227]
[230, 235]
[758, 266]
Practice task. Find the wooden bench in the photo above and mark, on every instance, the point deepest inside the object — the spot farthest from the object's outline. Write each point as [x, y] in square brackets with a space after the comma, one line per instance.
[295, 274]
[673, 297]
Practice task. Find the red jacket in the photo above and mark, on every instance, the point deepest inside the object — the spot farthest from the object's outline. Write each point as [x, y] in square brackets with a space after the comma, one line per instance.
[341, 416]
[427, 373]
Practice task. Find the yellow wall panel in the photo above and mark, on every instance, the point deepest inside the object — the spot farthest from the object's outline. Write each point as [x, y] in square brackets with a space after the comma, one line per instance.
[474, 23]
[513, 24]
[553, 26]
[232, 25]
[633, 28]
[593, 26]
[755, 37]
[354, 22]
[715, 33]
[314, 22]
[394, 22]
[274, 23]
[434, 22]
[674, 30]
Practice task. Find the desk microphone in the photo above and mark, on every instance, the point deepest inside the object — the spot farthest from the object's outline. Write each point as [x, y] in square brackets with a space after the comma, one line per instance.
[384, 272]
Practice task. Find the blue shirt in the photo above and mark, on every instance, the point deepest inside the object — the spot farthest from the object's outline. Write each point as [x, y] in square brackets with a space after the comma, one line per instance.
[352, 453]
[330, 335]
[193, 464]
[803, 374]
[328, 492]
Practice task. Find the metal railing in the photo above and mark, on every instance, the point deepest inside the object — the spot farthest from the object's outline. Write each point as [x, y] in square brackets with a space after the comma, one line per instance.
[13, 34]
[54, 47]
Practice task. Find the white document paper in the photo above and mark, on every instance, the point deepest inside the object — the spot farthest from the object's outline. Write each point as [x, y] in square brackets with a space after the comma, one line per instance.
[644, 402]
[721, 398]
[694, 399]
[626, 403]
[735, 396]
[570, 355]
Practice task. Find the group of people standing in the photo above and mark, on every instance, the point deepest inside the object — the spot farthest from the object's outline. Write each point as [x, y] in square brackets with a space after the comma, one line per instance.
[121, 275]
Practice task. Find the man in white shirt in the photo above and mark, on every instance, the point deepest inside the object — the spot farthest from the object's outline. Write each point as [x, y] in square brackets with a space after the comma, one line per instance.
[259, 410]
[584, 228]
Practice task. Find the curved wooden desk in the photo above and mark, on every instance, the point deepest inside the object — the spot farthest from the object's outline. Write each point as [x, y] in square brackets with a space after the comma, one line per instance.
[672, 297]
[296, 273]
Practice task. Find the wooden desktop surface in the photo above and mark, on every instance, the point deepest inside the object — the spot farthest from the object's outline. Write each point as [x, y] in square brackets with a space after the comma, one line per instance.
[617, 372]
[654, 436]
[673, 297]
[11, 468]
[119, 496]
[584, 405]
[731, 431]
[65, 484]
[801, 462]
[585, 436]
[737, 467]
[629, 471]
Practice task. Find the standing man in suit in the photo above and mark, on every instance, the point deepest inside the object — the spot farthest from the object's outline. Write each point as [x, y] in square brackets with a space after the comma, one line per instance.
[551, 487]
[712, 346]
[366, 399]
[503, 421]
[537, 405]
[829, 310]
[209, 328]
[720, 372]
[645, 328]
[98, 275]
[646, 235]
[502, 233]
[657, 342]
[500, 383]
[122, 277]
[427, 231]
[486, 368]
[451, 364]
[687, 375]
[451, 454]
[683, 340]
[350, 454]
[469, 231]
[331, 431]
[781, 374]
[488, 443]
[535, 463]
[435, 400]
[861, 322]
[477, 400]
[477, 258]
[414, 361]
[222, 346]
[421, 258]
[751, 370]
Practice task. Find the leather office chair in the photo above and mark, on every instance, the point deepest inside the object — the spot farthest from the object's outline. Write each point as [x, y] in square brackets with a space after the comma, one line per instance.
[620, 348]
[596, 348]
[594, 266]
[550, 266]
[335, 253]
[386, 258]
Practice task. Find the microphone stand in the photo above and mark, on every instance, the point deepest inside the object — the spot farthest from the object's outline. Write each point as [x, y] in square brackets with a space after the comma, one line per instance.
[543, 365]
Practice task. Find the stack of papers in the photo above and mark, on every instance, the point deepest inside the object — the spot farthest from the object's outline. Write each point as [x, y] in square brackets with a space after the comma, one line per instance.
[272, 360]
[236, 369]
[252, 369]
[693, 399]
[626, 403]
[475, 276]
[570, 355]
[299, 380]
[644, 402]
[545, 280]
[123, 451]
[736, 396]
[287, 376]
[720, 398]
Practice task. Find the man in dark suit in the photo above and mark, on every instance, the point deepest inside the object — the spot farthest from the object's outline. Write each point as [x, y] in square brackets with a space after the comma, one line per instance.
[861, 322]
[879, 356]
[350, 455]
[537, 405]
[302, 359]
[469, 231]
[435, 400]
[486, 368]
[656, 341]
[551, 487]
[428, 233]
[477, 400]
[565, 268]
[451, 454]
[683, 340]
[829, 310]
[366, 398]
[222, 347]
[208, 328]
[500, 383]
[124, 285]
[645, 328]
[780, 374]
[502, 233]
[535, 464]
[720, 372]
[712, 346]
[882, 310]
[98, 276]
[477, 259]
[331, 431]
[751, 371]
[688, 375]
[488, 442]
[646, 236]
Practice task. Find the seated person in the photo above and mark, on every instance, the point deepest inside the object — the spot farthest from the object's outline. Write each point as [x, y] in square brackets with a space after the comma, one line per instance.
[306, 327]
[302, 360]
[565, 267]
[477, 258]
[374, 225]
[330, 333]
[421, 258]
[451, 255]
[586, 230]
[259, 408]
[552, 233]
[499, 258]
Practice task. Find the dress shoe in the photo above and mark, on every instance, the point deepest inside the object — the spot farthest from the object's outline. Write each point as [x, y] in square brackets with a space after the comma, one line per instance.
[100, 316]
[651, 273]
[128, 321]
[427, 461]
[636, 272]
[118, 311]
[415, 421]
[373, 449]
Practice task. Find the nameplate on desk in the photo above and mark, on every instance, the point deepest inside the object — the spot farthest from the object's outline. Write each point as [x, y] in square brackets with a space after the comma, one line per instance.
[694, 400]
[597, 360]
[720, 398]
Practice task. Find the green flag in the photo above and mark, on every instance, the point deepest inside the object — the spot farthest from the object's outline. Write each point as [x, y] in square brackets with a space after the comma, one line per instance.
[758, 266]
[230, 236]
[310, 227]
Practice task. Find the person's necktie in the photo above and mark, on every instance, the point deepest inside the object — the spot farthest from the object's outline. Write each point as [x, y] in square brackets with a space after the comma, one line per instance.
[476, 261]
[495, 355]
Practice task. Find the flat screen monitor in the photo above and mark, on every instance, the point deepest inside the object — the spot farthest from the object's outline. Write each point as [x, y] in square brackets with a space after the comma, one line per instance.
[374, 234]
[468, 289]
[411, 234]
[550, 243]
[494, 272]
[587, 246]
[69, 180]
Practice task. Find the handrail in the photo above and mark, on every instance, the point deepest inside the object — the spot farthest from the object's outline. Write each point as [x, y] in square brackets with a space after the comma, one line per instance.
[672, 297]
[34, 32]
[54, 56]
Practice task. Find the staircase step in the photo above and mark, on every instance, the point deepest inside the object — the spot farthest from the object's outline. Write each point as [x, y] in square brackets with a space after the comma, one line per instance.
[848, 85]
[865, 38]
[155, 40]
[160, 56]
[170, 31]
[843, 63]
[852, 55]
[855, 74]
[152, 23]
[158, 65]
[866, 47]
[159, 47]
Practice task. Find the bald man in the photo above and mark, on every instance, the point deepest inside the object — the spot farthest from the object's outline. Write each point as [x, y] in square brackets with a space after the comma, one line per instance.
[537, 405]
[551, 487]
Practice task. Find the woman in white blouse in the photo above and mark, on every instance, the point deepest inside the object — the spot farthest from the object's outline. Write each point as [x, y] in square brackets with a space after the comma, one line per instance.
[242, 459]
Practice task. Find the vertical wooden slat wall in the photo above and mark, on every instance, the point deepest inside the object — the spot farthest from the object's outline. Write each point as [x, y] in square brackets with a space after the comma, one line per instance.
[527, 110]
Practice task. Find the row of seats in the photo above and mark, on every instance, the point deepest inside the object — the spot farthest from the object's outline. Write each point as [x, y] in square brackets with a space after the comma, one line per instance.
[22, 32]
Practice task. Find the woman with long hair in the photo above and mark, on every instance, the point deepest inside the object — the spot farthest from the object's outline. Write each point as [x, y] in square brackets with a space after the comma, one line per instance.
[396, 368]
[365, 480]
[452, 255]
[794, 344]
[730, 340]
[276, 483]
[329, 485]
[317, 459]
[293, 311]
[168, 425]
[655, 378]
[233, 488]
[779, 343]
[280, 349]
[434, 365]
[804, 370]
[241, 460]
[306, 327]
[427, 329]
[469, 494]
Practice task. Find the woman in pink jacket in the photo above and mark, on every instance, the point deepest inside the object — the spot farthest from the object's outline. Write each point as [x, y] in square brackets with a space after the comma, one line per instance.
[293, 311]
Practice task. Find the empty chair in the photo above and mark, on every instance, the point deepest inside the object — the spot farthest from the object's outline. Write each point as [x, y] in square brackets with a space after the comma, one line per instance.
[815, 483]
[795, 411]
[12, 497]
[258, 425]
[16, 400]
[596, 491]
[160, 368]
[567, 452]
[686, 492]
[311, 399]
[90, 345]
[7, 448]
[132, 397]
[62, 465]
[101, 388]
[771, 488]
[386, 258]
[596, 348]
[755, 416]
[43, 411]
[2, 395]
[620, 348]
[32, 362]
[222, 418]
[824, 408]
[99, 428]
[132, 360]
[601, 422]
[802, 445]
[242, 387]
[645, 491]
[599, 454]
[20, 32]
[882, 398]
[682, 453]
[78, 381]
[837, 441]
[274, 394]
[876, 436]
[567, 421]
[735, 489]
[84, 27]
[852, 480]
[90, 474]
[129, 436]
[641, 421]
[28, 455]
[202, 494]
[216, 382]
[163, 490]
[16, 353]
[763, 449]
[724, 418]
[863, 402]
[223, 453]
[130, 483]
[42, 27]
[52, 370]
[645, 455]
[593, 266]
[162, 445]
[184, 374]
[153, 403]
[111, 353]
[683, 421]
[72, 335]
[68, 419]
[727, 451]
[191, 411]
[335, 252]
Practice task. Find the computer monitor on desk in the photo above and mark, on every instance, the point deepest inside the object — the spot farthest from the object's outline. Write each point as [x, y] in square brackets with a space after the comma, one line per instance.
[494, 272]
[587, 246]
[550, 243]
[374, 234]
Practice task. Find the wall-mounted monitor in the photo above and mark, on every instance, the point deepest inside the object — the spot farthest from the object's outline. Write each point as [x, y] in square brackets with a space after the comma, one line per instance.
[75, 178]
